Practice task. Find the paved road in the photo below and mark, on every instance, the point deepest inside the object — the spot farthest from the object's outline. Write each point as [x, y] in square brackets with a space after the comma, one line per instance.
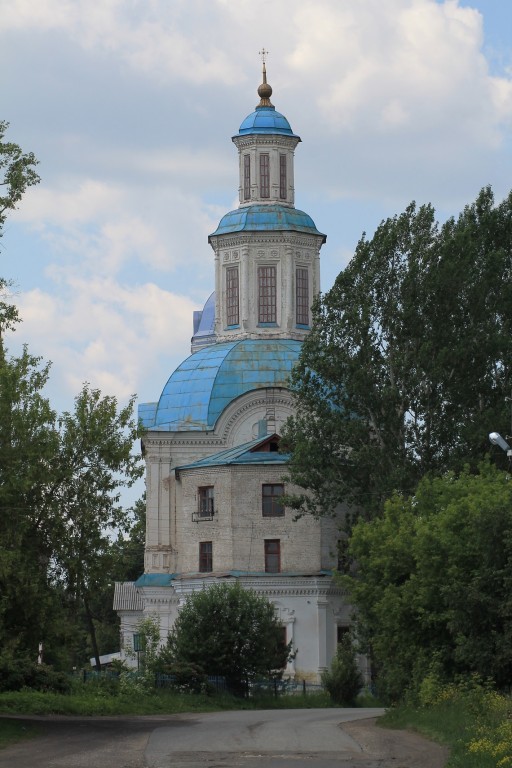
[309, 738]
[257, 739]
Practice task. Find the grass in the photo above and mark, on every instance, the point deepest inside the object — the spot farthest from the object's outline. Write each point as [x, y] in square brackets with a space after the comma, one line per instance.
[475, 725]
[90, 702]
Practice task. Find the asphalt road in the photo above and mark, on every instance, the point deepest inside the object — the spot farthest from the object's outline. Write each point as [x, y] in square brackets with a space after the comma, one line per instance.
[299, 738]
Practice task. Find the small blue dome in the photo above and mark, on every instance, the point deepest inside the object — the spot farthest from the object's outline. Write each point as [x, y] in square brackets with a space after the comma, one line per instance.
[209, 380]
[261, 218]
[266, 120]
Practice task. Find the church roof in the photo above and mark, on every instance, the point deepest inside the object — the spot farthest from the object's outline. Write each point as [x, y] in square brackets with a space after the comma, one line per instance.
[209, 380]
[263, 218]
[246, 453]
[264, 120]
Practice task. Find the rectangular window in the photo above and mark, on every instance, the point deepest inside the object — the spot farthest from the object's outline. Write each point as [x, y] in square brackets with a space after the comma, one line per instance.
[271, 504]
[264, 175]
[341, 633]
[205, 557]
[267, 296]
[232, 293]
[247, 177]
[282, 177]
[205, 501]
[272, 555]
[302, 297]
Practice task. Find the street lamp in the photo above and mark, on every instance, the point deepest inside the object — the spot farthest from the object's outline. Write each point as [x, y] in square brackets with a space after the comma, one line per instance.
[497, 439]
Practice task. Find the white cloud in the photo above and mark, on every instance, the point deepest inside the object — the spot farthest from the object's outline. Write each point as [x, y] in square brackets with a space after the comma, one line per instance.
[119, 339]
[108, 225]
[130, 107]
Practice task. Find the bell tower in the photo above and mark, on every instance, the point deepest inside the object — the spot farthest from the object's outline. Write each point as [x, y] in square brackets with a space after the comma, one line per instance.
[267, 252]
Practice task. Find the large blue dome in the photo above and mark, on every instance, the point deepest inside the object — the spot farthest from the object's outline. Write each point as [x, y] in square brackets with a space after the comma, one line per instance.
[266, 120]
[209, 380]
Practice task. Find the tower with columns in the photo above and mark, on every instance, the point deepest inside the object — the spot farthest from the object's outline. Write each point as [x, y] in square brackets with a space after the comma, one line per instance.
[214, 472]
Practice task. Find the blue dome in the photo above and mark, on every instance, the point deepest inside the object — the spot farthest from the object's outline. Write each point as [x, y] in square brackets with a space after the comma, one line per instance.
[258, 218]
[209, 380]
[266, 120]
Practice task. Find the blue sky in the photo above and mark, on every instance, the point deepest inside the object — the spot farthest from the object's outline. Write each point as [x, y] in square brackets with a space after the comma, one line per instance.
[130, 108]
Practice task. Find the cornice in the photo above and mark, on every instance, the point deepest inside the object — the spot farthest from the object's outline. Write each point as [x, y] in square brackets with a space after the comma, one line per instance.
[246, 141]
[239, 239]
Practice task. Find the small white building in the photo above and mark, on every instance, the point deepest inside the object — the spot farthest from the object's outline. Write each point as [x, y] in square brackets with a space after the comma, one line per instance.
[214, 475]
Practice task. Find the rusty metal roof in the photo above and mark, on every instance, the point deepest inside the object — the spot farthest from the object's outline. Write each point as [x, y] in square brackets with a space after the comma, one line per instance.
[209, 380]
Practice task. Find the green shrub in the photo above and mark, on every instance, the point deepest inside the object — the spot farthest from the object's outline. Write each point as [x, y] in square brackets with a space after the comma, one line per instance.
[188, 678]
[16, 674]
[343, 680]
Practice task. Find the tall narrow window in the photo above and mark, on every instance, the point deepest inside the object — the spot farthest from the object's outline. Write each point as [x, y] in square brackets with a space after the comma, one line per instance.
[272, 555]
[302, 297]
[247, 177]
[264, 175]
[267, 295]
[271, 504]
[205, 557]
[232, 293]
[205, 501]
[282, 177]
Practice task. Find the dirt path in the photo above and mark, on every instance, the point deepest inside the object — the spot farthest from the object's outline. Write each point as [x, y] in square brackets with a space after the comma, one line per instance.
[396, 748]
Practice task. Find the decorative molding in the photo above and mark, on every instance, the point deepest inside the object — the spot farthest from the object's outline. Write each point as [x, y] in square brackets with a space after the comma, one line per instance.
[283, 399]
[248, 238]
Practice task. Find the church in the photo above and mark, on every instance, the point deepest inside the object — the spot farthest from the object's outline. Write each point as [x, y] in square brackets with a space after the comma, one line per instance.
[215, 477]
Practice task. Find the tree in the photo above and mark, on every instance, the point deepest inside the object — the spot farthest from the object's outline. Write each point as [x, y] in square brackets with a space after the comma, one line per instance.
[59, 500]
[343, 681]
[230, 631]
[59, 481]
[407, 365]
[432, 581]
[17, 169]
[94, 460]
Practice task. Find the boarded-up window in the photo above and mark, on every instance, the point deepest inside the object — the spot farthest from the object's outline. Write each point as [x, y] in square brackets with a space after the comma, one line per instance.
[205, 556]
[232, 296]
[282, 177]
[267, 295]
[247, 177]
[302, 297]
[264, 175]
[272, 555]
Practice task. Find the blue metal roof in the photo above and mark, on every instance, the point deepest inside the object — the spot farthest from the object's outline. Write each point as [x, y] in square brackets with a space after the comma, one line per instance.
[209, 380]
[266, 120]
[240, 454]
[155, 580]
[259, 218]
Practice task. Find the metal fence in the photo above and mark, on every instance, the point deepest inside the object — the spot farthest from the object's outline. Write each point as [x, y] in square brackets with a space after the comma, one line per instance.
[273, 686]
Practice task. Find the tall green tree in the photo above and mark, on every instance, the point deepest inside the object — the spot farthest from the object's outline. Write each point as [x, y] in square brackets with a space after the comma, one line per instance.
[94, 461]
[230, 631]
[407, 366]
[432, 581]
[59, 481]
[17, 169]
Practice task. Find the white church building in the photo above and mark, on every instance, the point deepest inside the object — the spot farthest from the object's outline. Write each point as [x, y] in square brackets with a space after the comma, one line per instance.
[214, 475]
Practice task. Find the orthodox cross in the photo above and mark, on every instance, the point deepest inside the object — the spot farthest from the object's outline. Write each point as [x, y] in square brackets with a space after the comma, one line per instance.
[263, 53]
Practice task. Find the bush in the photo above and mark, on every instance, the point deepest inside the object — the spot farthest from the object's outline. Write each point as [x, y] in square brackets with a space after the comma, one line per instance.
[343, 680]
[231, 632]
[188, 678]
[16, 674]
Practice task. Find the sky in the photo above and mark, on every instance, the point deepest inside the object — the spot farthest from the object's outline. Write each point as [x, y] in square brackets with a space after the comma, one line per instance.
[130, 106]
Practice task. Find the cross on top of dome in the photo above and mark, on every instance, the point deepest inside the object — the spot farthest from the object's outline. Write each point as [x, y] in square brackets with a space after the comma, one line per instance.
[264, 90]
